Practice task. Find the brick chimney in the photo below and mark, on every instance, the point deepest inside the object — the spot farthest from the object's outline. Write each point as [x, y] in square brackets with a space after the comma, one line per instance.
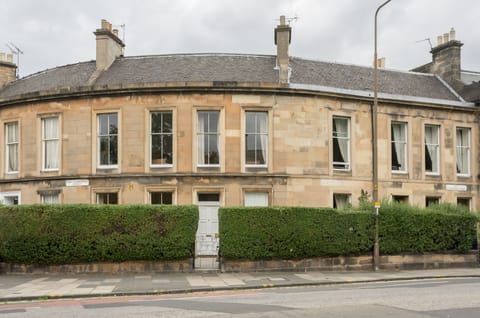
[8, 69]
[109, 45]
[446, 59]
[283, 36]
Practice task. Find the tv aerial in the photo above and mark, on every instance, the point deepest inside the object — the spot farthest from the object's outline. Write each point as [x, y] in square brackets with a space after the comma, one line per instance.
[16, 51]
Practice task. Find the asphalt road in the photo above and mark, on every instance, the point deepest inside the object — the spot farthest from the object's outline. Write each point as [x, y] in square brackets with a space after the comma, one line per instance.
[437, 298]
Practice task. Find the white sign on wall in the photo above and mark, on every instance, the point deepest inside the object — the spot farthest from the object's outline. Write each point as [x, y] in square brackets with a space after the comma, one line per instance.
[77, 183]
[456, 187]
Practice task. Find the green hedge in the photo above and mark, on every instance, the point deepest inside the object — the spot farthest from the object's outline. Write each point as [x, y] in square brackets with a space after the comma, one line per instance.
[293, 232]
[67, 234]
[440, 228]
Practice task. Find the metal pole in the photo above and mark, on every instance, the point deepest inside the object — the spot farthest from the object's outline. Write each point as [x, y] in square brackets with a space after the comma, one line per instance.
[376, 246]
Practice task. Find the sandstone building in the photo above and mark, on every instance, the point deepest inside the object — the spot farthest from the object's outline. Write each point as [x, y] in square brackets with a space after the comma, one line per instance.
[233, 129]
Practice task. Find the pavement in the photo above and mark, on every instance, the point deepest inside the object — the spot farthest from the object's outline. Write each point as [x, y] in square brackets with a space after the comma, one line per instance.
[24, 287]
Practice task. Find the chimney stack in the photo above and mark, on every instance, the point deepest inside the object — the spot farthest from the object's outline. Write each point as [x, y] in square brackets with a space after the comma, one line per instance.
[109, 45]
[8, 70]
[446, 59]
[283, 36]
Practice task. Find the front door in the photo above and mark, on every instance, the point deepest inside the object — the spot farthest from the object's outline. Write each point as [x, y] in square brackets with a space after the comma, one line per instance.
[207, 240]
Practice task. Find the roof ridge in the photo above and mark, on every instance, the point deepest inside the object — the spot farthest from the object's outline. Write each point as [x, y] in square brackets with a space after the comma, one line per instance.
[196, 54]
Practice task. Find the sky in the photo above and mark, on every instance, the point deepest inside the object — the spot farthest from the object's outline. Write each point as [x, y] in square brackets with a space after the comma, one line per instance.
[57, 32]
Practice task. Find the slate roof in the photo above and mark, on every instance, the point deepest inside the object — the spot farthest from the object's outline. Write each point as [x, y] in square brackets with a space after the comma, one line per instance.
[144, 70]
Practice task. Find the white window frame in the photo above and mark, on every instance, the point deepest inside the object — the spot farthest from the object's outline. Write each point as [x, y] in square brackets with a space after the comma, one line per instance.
[50, 140]
[162, 133]
[257, 132]
[460, 148]
[396, 144]
[103, 193]
[11, 144]
[99, 136]
[346, 163]
[162, 193]
[201, 133]
[436, 145]
[11, 194]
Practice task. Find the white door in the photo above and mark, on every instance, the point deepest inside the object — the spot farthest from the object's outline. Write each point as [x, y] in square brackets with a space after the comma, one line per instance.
[207, 234]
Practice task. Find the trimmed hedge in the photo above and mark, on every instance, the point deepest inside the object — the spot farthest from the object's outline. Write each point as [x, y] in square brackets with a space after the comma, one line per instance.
[291, 232]
[440, 228]
[69, 234]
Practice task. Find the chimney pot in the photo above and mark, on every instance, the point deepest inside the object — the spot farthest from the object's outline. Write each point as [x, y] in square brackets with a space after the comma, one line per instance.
[445, 38]
[10, 58]
[2, 56]
[115, 32]
[104, 24]
[439, 40]
[452, 34]
[282, 20]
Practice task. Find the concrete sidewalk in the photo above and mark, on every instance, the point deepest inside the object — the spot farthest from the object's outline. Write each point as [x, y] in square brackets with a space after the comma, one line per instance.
[15, 287]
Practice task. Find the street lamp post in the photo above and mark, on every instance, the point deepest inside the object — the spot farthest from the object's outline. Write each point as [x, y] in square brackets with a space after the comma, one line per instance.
[376, 246]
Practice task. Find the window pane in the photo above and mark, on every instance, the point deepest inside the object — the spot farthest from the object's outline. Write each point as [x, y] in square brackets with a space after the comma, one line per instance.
[167, 122]
[341, 200]
[429, 201]
[103, 124]
[50, 128]
[50, 198]
[107, 198]
[113, 150]
[113, 124]
[256, 199]
[212, 155]
[161, 197]
[250, 150]
[209, 197]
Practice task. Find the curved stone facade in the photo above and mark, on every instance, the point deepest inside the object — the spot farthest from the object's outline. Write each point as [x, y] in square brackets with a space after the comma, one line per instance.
[172, 128]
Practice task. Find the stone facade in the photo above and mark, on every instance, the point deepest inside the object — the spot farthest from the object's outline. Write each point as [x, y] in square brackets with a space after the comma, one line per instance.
[57, 142]
[300, 164]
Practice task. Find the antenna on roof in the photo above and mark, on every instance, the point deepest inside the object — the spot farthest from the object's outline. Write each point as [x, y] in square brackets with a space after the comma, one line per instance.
[426, 40]
[15, 50]
[290, 20]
